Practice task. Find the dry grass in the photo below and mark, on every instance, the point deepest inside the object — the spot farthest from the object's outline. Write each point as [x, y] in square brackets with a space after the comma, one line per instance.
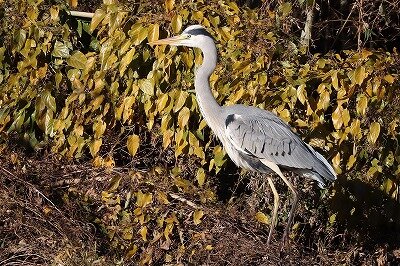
[46, 219]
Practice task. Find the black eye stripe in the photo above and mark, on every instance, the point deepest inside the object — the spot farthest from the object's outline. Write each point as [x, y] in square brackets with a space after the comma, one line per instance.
[199, 31]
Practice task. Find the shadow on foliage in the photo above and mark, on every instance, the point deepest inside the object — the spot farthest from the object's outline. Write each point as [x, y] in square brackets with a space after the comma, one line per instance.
[229, 182]
[367, 213]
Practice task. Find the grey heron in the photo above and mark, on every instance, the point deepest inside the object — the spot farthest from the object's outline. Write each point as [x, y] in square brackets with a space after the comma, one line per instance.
[255, 139]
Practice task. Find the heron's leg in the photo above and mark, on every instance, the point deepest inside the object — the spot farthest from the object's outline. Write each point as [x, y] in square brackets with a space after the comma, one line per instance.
[275, 210]
[274, 167]
[294, 205]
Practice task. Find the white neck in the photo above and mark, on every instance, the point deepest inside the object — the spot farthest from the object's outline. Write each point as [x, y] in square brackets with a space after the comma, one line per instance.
[210, 109]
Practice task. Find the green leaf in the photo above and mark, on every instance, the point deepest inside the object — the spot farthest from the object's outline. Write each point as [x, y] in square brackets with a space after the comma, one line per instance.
[19, 39]
[286, 8]
[332, 219]
[77, 60]
[60, 50]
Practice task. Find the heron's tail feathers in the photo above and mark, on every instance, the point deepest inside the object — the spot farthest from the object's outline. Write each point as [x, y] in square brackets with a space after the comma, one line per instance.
[322, 171]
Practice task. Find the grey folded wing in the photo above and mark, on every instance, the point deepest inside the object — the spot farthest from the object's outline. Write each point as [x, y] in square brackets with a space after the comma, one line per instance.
[266, 137]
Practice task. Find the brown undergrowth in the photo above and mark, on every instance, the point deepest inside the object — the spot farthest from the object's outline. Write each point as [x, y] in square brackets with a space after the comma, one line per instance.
[50, 212]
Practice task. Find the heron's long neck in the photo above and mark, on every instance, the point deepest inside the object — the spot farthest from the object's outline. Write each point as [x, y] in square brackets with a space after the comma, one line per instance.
[209, 107]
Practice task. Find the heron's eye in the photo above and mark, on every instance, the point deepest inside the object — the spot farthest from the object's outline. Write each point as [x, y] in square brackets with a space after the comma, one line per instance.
[188, 36]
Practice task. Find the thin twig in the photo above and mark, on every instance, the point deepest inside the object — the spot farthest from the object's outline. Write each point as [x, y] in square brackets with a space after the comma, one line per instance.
[81, 14]
[188, 202]
[16, 178]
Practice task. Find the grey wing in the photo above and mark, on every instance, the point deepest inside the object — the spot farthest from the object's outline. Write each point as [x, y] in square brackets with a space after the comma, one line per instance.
[266, 136]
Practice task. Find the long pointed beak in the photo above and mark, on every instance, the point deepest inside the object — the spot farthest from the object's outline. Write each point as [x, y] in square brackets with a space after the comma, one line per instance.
[172, 40]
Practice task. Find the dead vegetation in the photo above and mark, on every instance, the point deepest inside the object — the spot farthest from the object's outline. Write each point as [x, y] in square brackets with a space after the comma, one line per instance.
[50, 209]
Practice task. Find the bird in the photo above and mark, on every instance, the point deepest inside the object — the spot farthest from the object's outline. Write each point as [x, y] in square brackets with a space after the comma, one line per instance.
[255, 139]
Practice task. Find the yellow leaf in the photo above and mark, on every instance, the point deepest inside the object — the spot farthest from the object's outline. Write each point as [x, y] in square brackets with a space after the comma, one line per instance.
[168, 136]
[114, 184]
[373, 133]
[337, 117]
[302, 94]
[208, 247]
[77, 60]
[360, 75]
[98, 128]
[350, 162]
[389, 78]
[169, 5]
[94, 147]
[143, 233]
[183, 117]
[126, 60]
[146, 86]
[336, 163]
[162, 102]
[197, 15]
[197, 215]
[346, 117]
[73, 3]
[238, 95]
[180, 101]
[133, 144]
[162, 197]
[362, 103]
[98, 161]
[262, 218]
[200, 176]
[109, 162]
[143, 199]
[97, 18]
[54, 12]
[324, 99]
[132, 252]
[355, 129]
[97, 102]
[176, 23]
[153, 33]
[127, 233]
[335, 82]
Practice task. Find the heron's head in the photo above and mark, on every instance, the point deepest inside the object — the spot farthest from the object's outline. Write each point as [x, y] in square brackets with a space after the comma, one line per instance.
[192, 36]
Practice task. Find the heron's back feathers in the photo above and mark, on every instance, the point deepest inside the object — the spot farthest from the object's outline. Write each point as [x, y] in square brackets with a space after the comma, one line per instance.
[261, 135]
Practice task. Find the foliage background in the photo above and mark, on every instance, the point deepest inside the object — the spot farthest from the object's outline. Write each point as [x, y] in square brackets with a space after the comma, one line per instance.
[106, 157]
